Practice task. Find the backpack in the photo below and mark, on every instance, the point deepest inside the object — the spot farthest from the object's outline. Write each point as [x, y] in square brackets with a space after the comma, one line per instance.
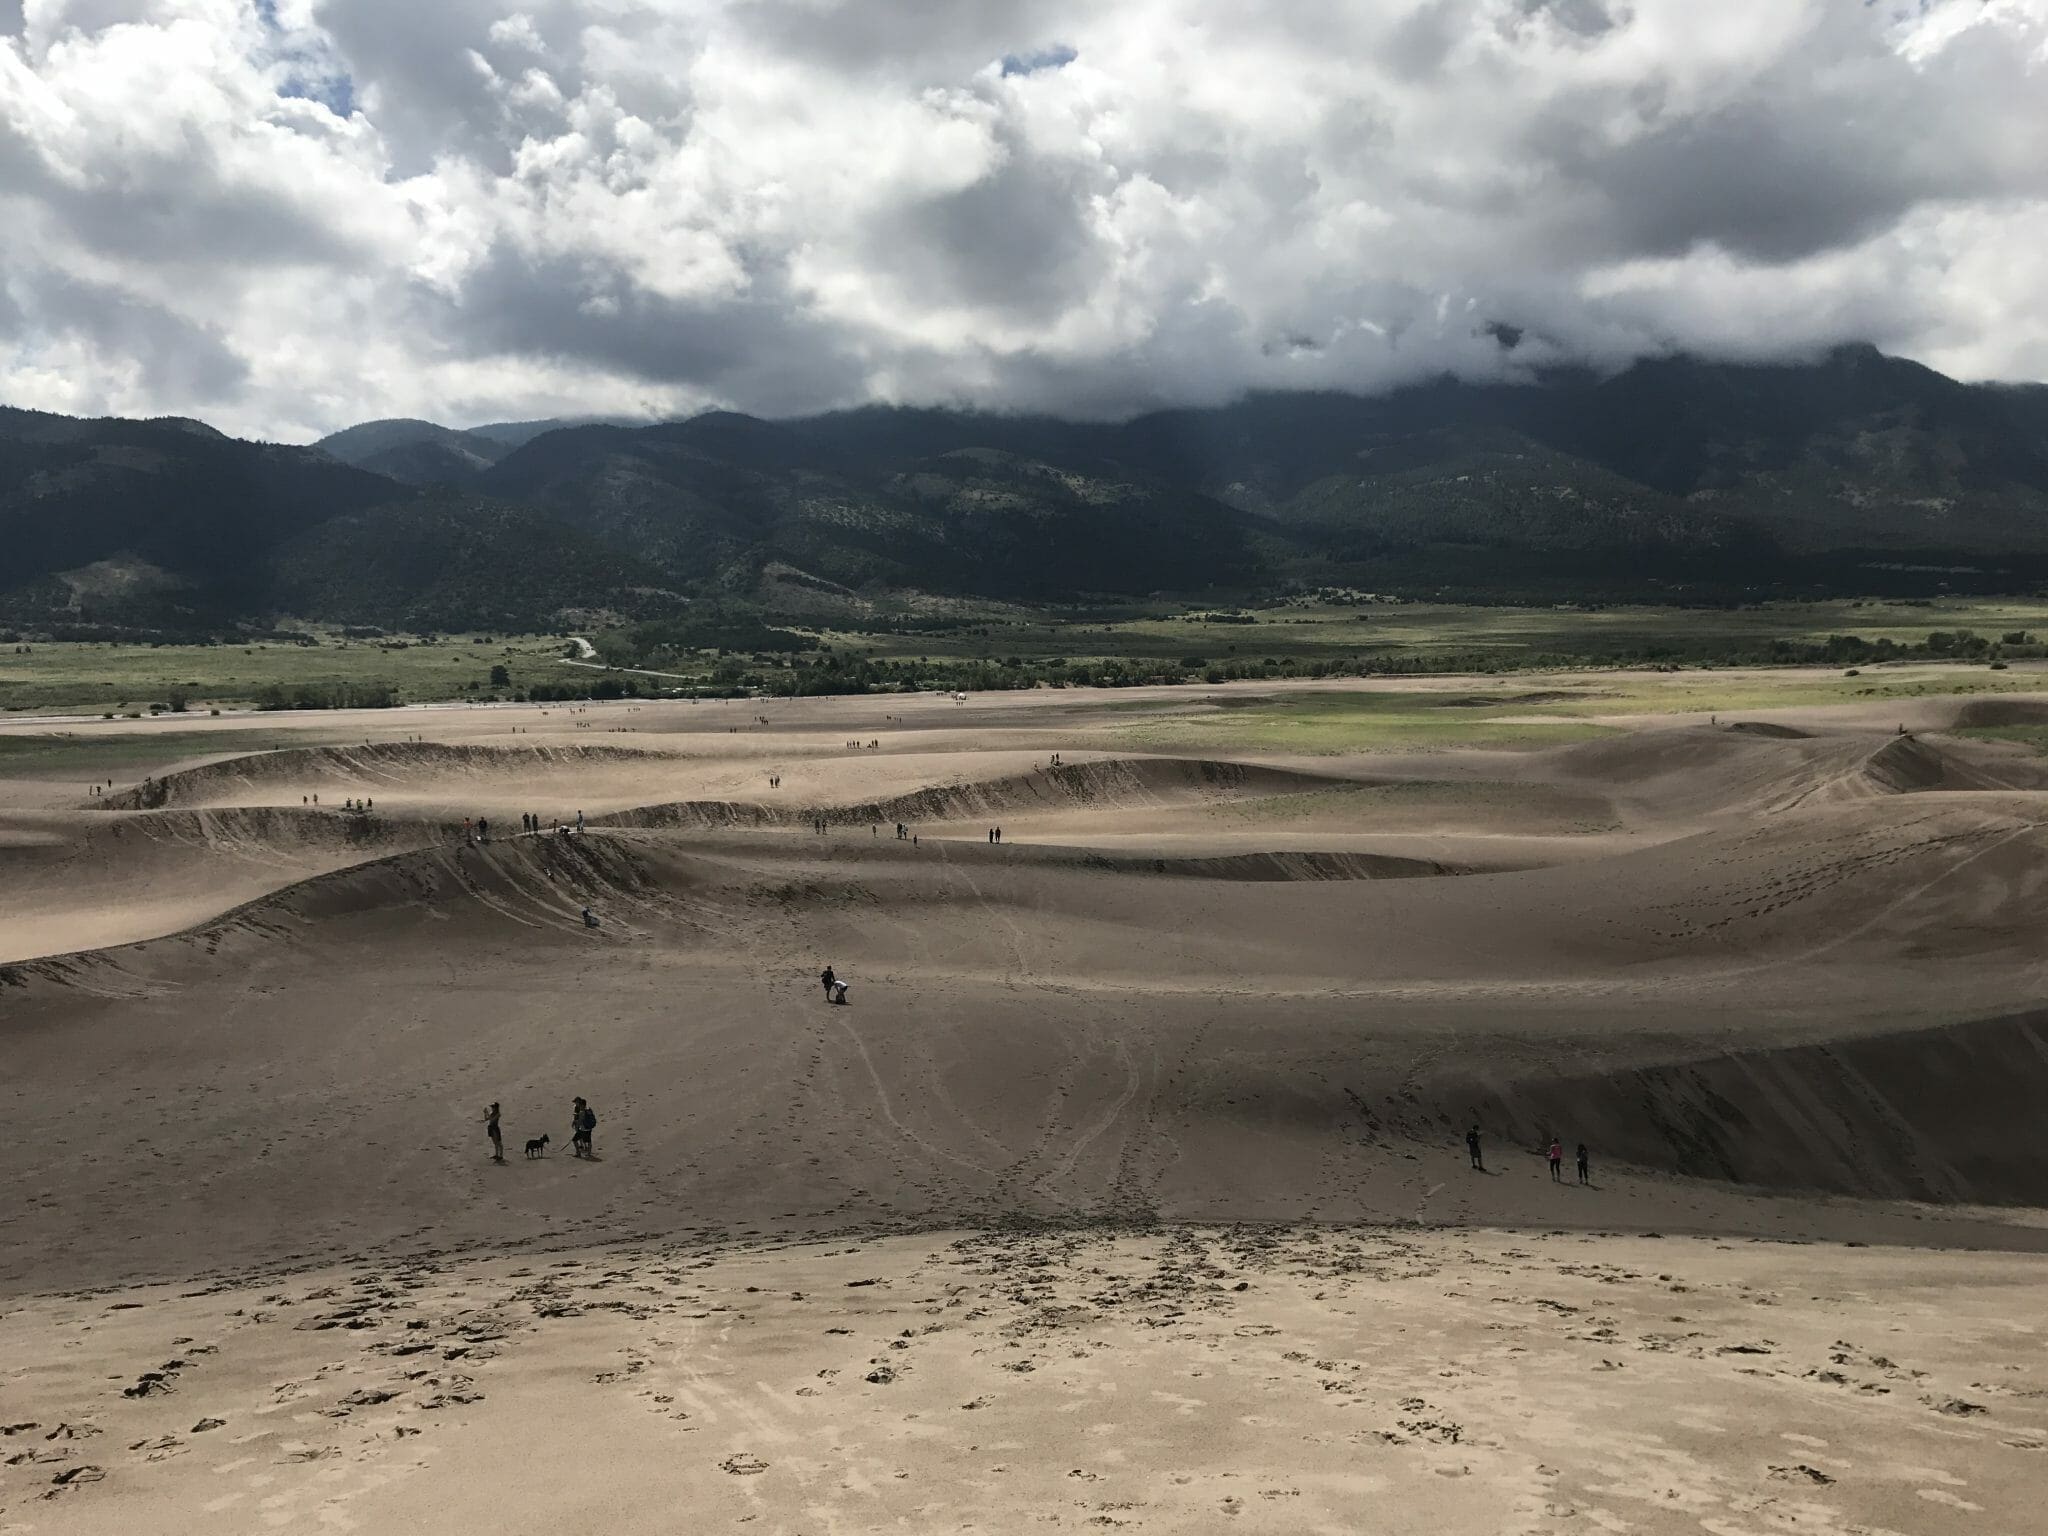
[589, 1120]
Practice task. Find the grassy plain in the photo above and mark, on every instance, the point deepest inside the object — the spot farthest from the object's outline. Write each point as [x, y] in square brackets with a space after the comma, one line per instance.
[1353, 721]
[1352, 639]
[1423, 632]
[95, 677]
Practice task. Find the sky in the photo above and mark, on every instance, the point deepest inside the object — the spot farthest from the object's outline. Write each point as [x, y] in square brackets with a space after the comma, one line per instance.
[285, 216]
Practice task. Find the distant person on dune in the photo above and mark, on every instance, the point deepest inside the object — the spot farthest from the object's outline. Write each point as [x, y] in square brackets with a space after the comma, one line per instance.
[589, 918]
[579, 821]
[826, 979]
[497, 1136]
[1585, 1165]
[1556, 1161]
[1472, 1147]
[586, 1128]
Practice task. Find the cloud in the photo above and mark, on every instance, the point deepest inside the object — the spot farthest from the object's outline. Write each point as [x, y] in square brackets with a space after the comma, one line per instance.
[292, 215]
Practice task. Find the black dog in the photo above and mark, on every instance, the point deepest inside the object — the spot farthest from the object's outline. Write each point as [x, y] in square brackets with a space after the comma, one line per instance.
[537, 1146]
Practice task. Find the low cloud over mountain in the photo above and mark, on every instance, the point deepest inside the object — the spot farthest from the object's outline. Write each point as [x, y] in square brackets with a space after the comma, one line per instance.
[289, 215]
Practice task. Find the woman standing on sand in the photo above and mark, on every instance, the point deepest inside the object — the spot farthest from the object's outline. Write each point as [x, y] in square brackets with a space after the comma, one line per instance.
[1556, 1161]
[497, 1136]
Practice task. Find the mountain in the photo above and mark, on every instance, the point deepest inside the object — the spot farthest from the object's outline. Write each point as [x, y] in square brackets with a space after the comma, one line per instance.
[169, 525]
[1854, 472]
[714, 498]
[161, 520]
[446, 560]
[427, 453]
[415, 452]
[516, 434]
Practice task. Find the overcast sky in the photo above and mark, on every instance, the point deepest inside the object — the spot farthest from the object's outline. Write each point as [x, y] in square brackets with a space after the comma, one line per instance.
[288, 215]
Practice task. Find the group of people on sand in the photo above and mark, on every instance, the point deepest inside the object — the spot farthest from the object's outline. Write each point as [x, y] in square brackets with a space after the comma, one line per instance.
[478, 829]
[1555, 1156]
[995, 835]
[582, 1127]
[864, 746]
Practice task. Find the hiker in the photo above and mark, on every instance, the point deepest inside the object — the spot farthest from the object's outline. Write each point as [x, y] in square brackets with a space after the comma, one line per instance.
[579, 823]
[1472, 1146]
[999, 837]
[589, 918]
[497, 1136]
[827, 978]
[586, 1123]
[1585, 1165]
[483, 829]
[468, 831]
[1556, 1161]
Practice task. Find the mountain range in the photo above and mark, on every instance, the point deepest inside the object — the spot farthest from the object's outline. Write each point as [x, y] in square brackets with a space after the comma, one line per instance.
[1677, 478]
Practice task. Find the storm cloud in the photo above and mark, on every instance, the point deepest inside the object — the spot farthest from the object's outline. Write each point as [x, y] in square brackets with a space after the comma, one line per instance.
[287, 215]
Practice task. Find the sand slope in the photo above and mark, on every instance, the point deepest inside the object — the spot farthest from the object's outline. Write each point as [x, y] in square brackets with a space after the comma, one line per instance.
[1184, 1380]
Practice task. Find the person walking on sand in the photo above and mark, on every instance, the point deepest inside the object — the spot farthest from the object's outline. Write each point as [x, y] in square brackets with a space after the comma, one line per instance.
[579, 823]
[497, 1136]
[1556, 1161]
[826, 979]
[1585, 1165]
[586, 1127]
[576, 1125]
[1472, 1147]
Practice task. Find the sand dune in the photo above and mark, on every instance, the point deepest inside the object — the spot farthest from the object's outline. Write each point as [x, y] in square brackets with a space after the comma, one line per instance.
[1784, 981]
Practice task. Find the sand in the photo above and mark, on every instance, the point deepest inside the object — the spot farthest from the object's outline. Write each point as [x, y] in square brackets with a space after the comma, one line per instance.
[1205, 1018]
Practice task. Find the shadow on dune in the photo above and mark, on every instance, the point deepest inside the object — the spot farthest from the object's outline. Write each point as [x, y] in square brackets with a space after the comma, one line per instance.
[1941, 1115]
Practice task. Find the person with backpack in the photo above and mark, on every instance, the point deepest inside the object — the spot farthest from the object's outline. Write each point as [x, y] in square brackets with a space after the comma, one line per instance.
[582, 1122]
